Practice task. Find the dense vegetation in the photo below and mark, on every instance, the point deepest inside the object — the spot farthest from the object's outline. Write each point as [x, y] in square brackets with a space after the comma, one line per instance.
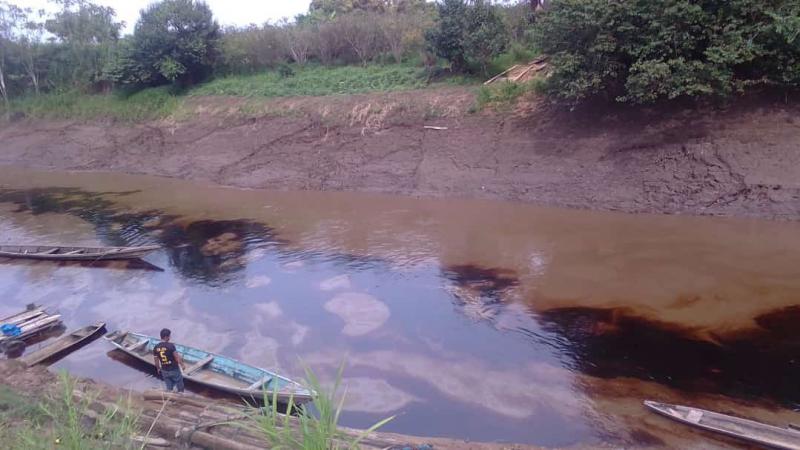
[178, 42]
[633, 51]
[640, 51]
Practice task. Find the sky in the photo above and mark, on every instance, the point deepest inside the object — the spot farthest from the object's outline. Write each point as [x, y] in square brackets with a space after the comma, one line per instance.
[227, 12]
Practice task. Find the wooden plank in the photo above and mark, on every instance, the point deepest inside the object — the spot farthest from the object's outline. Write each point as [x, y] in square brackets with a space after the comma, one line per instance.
[199, 365]
[137, 346]
[23, 316]
[153, 395]
[494, 78]
[258, 384]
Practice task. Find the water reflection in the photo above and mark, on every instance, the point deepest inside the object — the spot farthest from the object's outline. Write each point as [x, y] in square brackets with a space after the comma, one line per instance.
[512, 363]
[210, 252]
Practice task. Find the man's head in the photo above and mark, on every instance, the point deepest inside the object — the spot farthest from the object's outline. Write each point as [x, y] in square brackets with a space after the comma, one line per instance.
[165, 334]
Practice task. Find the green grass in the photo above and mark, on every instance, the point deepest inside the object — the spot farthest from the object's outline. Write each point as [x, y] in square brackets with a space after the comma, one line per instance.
[318, 81]
[517, 54]
[14, 406]
[148, 104]
[503, 94]
[299, 428]
[62, 422]
[161, 102]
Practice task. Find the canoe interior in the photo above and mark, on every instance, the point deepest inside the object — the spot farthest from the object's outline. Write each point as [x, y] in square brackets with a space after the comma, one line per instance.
[63, 343]
[221, 371]
[733, 426]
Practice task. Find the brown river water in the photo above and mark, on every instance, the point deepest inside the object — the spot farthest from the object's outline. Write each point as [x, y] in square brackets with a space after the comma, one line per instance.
[479, 320]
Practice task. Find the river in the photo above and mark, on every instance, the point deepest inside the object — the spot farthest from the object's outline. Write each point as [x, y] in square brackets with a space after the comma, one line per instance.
[472, 319]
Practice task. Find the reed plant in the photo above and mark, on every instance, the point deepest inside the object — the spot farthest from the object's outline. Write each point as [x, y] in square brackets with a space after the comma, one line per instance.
[301, 428]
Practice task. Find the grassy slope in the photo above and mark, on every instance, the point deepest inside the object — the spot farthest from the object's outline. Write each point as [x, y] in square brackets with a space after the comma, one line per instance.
[317, 81]
[147, 104]
[156, 103]
[160, 102]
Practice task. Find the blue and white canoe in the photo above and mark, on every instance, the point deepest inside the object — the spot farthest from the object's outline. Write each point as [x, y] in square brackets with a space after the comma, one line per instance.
[216, 371]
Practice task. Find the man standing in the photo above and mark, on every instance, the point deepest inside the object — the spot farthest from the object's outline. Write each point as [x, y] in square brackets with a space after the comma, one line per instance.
[167, 361]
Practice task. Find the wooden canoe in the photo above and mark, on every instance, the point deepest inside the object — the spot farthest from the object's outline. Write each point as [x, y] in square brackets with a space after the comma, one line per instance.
[64, 344]
[58, 253]
[217, 372]
[744, 429]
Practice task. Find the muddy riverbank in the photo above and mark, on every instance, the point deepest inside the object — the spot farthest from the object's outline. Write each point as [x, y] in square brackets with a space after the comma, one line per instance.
[189, 421]
[740, 160]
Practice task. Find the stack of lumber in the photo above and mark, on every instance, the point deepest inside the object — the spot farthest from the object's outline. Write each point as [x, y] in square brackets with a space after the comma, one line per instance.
[522, 73]
[31, 322]
[169, 420]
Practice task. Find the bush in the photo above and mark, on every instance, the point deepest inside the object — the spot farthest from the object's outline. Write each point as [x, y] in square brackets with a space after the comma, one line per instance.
[174, 41]
[643, 51]
[516, 54]
[247, 50]
[468, 34]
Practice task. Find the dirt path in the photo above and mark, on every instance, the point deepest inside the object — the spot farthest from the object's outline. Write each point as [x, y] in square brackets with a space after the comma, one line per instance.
[738, 161]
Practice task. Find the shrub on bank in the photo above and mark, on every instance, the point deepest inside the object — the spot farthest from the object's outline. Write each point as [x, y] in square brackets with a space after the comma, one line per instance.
[640, 51]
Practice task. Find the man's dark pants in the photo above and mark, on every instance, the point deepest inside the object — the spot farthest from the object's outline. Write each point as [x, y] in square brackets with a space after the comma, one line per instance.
[173, 378]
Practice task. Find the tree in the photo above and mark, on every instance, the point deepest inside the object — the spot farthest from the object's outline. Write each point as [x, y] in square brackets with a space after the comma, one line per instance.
[446, 39]
[175, 41]
[330, 8]
[468, 33]
[297, 40]
[486, 34]
[360, 31]
[81, 22]
[641, 51]
[11, 16]
[402, 32]
[31, 44]
[88, 32]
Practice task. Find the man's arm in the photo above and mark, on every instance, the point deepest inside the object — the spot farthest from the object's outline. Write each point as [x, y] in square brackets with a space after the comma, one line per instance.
[157, 363]
[179, 360]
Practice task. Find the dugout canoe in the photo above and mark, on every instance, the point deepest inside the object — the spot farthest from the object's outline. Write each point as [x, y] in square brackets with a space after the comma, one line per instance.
[216, 371]
[60, 253]
[64, 344]
[744, 429]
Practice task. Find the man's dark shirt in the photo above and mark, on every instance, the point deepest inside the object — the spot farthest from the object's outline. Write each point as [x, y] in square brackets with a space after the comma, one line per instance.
[165, 353]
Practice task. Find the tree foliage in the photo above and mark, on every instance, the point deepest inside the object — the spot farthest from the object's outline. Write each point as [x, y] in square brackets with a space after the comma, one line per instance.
[332, 7]
[80, 22]
[468, 33]
[356, 37]
[174, 41]
[639, 51]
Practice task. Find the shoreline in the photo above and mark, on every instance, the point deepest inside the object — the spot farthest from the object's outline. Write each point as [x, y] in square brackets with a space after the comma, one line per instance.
[165, 419]
[740, 162]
